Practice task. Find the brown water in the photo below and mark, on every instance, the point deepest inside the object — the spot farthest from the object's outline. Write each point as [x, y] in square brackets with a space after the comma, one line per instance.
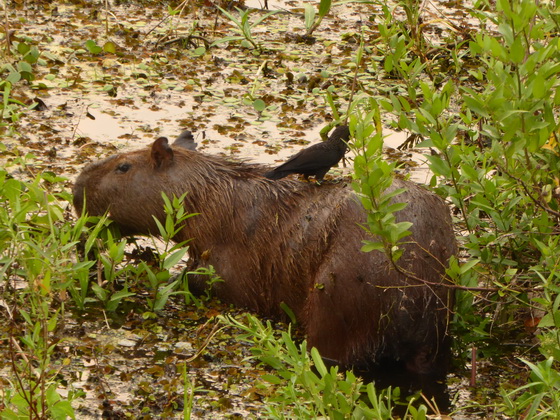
[159, 92]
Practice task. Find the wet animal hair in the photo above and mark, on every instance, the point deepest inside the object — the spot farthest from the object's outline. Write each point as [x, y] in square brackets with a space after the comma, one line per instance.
[294, 243]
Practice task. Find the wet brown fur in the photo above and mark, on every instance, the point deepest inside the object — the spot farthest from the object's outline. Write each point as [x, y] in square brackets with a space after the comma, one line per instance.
[294, 242]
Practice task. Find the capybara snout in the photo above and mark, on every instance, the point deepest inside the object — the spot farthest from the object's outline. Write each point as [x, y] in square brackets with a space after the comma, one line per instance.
[294, 243]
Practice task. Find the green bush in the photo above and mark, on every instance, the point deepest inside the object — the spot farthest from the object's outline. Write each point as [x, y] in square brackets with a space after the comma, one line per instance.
[492, 125]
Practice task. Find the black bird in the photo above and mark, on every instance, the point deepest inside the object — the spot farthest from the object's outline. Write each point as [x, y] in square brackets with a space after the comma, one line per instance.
[185, 140]
[317, 159]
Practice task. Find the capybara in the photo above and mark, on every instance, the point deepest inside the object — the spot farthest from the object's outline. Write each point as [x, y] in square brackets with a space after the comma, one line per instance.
[296, 243]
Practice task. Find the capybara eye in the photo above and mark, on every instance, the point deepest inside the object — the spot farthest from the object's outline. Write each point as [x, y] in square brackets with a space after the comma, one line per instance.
[123, 167]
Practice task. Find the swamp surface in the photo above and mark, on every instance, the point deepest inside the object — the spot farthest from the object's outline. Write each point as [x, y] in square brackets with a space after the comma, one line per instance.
[116, 80]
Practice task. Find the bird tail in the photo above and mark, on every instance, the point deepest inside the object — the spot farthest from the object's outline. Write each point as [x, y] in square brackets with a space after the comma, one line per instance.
[275, 174]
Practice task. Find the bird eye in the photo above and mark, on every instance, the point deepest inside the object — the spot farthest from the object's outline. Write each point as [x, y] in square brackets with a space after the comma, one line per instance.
[123, 167]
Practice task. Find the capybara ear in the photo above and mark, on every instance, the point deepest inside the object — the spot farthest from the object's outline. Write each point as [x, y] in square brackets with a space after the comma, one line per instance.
[162, 154]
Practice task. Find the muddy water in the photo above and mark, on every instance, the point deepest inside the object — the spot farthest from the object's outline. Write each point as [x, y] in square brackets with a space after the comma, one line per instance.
[124, 131]
[162, 97]
[115, 128]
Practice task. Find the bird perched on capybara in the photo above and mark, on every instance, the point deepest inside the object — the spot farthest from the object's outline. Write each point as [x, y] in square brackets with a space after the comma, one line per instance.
[289, 242]
[316, 160]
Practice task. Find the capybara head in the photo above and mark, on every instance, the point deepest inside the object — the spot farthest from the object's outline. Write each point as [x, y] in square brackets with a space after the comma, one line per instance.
[294, 243]
[128, 186]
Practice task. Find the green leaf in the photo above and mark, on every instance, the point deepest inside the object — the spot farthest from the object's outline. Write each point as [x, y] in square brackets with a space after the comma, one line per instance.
[230, 16]
[401, 229]
[110, 47]
[372, 246]
[120, 295]
[13, 77]
[200, 51]
[262, 18]
[393, 208]
[396, 253]
[517, 53]
[289, 312]
[227, 39]
[174, 258]
[318, 361]
[275, 380]
[309, 15]
[23, 48]
[171, 11]
[468, 265]
[539, 90]
[62, 410]
[163, 295]
[25, 66]
[334, 110]
[92, 47]
[476, 104]
[101, 293]
[272, 361]
[32, 56]
[547, 321]
[116, 251]
[247, 44]
[324, 7]
[8, 414]
[259, 105]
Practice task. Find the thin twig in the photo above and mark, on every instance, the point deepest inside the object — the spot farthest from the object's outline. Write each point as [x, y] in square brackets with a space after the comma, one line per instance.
[536, 201]
[7, 27]
[215, 330]
[354, 83]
